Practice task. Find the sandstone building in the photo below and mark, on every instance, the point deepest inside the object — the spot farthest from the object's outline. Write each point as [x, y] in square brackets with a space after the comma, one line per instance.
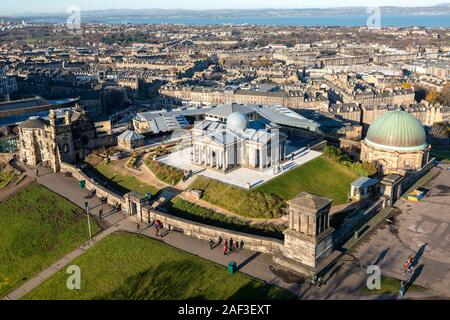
[396, 141]
[60, 139]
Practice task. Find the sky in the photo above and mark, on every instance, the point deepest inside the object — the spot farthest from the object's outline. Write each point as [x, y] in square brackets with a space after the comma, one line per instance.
[58, 6]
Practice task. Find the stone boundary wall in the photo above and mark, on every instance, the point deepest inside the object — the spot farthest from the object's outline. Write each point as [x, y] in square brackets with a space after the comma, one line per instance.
[319, 146]
[190, 228]
[412, 178]
[207, 232]
[90, 185]
[344, 232]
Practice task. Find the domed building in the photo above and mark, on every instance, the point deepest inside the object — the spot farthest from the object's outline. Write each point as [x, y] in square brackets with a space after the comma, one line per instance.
[232, 141]
[237, 121]
[396, 141]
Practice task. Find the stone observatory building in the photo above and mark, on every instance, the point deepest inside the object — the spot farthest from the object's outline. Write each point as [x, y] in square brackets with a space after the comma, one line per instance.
[396, 141]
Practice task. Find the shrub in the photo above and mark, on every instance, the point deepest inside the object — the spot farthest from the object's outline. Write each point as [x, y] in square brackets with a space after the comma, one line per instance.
[252, 204]
[365, 168]
[190, 211]
[163, 172]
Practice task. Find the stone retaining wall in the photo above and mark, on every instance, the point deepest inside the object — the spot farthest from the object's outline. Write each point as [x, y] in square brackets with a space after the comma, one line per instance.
[207, 232]
[90, 185]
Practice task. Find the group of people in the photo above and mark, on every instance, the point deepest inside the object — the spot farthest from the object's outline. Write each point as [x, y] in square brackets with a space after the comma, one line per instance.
[117, 207]
[317, 281]
[278, 169]
[230, 247]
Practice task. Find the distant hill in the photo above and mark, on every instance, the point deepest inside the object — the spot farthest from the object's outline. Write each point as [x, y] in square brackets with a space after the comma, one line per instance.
[130, 15]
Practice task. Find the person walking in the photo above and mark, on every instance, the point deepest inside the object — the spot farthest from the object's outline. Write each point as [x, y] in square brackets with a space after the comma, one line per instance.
[402, 288]
[225, 248]
[138, 227]
[100, 213]
[36, 173]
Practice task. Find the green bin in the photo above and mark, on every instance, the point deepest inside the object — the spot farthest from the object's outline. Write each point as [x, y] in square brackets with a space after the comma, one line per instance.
[232, 267]
[83, 184]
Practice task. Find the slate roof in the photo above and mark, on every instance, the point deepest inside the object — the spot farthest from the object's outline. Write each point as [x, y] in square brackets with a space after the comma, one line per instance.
[310, 201]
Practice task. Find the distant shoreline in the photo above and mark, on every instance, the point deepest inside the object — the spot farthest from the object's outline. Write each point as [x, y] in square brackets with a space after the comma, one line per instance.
[435, 21]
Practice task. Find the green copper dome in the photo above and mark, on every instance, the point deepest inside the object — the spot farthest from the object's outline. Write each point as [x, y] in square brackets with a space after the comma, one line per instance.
[397, 130]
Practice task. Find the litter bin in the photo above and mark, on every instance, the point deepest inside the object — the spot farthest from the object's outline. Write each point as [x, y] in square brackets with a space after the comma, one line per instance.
[83, 184]
[232, 267]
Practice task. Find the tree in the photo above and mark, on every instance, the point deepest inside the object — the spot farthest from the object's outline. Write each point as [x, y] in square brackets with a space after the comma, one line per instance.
[444, 96]
[440, 130]
[406, 85]
[432, 96]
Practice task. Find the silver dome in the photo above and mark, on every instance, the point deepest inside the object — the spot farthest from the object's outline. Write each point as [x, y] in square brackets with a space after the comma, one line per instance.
[237, 121]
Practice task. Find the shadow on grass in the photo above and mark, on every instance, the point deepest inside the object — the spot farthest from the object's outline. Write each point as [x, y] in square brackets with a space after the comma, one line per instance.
[185, 280]
[167, 281]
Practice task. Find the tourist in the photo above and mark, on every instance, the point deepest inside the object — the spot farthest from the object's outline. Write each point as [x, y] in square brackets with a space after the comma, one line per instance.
[320, 282]
[100, 213]
[36, 172]
[220, 240]
[314, 279]
[157, 233]
[225, 248]
[231, 243]
[211, 244]
[138, 227]
[402, 288]
[241, 246]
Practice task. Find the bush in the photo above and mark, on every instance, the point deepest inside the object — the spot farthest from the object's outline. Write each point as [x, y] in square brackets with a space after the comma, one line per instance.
[168, 174]
[190, 211]
[252, 204]
[366, 169]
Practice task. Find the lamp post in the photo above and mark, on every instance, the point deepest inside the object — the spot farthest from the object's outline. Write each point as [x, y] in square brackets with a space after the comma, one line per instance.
[89, 220]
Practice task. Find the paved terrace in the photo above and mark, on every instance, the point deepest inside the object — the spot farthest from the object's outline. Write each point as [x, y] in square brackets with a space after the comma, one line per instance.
[241, 177]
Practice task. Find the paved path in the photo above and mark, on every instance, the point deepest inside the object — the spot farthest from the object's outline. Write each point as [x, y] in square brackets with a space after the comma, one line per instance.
[421, 229]
[62, 263]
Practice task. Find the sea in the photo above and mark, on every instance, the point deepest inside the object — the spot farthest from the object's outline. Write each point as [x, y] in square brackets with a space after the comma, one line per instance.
[435, 21]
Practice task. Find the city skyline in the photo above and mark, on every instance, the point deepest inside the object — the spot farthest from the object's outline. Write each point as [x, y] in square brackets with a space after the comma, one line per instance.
[28, 6]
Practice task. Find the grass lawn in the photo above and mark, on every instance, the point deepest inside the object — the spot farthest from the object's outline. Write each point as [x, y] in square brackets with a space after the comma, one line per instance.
[37, 227]
[193, 212]
[320, 176]
[8, 177]
[133, 267]
[168, 174]
[251, 204]
[123, 182]
[390, 286]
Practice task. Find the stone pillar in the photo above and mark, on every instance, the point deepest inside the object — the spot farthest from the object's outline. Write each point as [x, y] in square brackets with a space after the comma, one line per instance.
[309, 239]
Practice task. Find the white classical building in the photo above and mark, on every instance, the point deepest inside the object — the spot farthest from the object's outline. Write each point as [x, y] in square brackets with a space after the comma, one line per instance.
[258, 145]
